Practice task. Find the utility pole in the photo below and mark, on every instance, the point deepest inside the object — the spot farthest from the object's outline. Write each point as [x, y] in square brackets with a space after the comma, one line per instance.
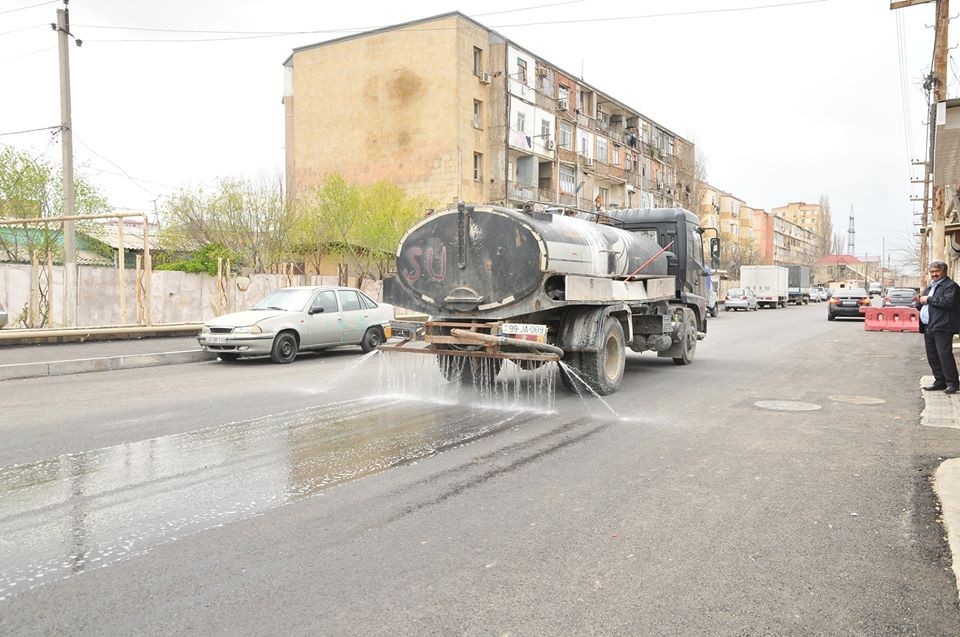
[933, 240]
[70, 287]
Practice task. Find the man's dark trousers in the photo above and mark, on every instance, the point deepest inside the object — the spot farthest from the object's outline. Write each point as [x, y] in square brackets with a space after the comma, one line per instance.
[939, 346]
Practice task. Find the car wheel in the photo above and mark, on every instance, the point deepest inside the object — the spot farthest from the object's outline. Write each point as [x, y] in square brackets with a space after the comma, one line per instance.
[726, 309]
[284, 348]
[830, 317]
[227, 356]
[372, 339]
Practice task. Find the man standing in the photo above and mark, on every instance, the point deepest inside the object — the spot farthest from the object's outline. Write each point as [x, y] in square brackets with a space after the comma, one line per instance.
[939, 321]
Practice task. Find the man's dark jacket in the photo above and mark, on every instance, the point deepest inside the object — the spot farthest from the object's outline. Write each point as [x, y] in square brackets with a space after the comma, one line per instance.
[944, 312]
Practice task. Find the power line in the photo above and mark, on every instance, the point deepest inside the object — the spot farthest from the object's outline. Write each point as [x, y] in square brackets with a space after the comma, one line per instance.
[250, 35]
[21, 29]
[30, 6]
[31, 130]
[133, 180]
[23, 55]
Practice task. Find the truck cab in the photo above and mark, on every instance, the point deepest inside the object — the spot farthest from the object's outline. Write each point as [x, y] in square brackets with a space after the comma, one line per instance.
[680, 230]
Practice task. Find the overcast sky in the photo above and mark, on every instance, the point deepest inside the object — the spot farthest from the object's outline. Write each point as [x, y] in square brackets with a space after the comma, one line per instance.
[788, 100]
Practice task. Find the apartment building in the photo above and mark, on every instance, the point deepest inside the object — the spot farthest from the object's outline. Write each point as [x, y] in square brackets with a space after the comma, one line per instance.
[448, 108]
[809, 216]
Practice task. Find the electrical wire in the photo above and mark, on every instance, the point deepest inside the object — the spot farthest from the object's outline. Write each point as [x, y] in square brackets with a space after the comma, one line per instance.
[133, 180]
[22, 29]
[241, 35]
[23, 55]
[30, 130]
[30, 6]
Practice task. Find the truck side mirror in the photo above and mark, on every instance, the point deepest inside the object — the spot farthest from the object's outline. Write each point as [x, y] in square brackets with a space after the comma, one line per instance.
[715, 253]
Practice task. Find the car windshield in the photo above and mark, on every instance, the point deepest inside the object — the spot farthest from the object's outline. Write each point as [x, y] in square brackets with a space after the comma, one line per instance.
[287, 299]
[736, 292]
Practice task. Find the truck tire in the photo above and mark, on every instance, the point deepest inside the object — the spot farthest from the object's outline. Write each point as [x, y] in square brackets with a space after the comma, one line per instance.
[602, 369]
[689, 341]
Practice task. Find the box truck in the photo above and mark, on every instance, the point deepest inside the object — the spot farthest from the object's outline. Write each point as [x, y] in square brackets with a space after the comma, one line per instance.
[768, 282]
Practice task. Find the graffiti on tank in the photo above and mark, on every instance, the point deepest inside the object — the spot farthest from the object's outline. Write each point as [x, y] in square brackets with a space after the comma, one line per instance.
[435, 268]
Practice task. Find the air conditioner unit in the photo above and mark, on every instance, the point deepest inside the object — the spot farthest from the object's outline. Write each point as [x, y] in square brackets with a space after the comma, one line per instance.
[588, 161]
[562, 104]
[541, 71]
[550, 144]
[484, 78]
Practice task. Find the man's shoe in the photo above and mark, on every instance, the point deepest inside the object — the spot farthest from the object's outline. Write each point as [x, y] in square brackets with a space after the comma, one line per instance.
[950, 390]
[936, 387]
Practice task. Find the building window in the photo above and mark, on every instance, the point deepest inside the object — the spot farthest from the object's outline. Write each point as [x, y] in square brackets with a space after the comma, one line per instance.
[566, 135]
[602, 149]
[522, 70]
[568, 180]
[615, 157]
[478, 166]
[603, 195]
[522, 122]
[629, 158]
[477, 61]
[477, 113]
[583, 102]
[545, 130]
[564, 97]
[585, 147]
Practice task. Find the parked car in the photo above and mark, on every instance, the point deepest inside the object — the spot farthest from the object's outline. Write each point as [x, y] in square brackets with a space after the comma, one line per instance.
[818, 294]
[740, 299]
[300, 318]
[875, 289]
[900, 297]
[847, 302]
[3, 316]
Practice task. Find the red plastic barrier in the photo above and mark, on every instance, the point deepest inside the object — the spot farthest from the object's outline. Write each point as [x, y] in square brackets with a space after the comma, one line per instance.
[890, 319]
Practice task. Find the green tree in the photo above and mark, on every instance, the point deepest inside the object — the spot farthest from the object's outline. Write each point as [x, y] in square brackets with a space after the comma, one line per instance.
[32, 188]
[364, 222]
[250, 221]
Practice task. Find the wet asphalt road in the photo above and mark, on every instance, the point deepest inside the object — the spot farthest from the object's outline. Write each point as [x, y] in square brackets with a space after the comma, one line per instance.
[364, 497]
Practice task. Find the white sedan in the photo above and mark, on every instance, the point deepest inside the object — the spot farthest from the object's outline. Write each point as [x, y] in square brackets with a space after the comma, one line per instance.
[301, 318]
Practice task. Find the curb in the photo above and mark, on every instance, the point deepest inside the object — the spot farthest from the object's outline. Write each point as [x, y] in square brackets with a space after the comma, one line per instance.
[947, 487]
[102, 364]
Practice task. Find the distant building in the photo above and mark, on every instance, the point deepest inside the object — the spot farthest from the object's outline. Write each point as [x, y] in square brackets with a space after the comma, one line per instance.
[447, 108]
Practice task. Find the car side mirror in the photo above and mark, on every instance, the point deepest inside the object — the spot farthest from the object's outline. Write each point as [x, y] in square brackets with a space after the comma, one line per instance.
[316, 310]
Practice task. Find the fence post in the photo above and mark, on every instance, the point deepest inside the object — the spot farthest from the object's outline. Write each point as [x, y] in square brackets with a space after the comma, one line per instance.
[33, 310]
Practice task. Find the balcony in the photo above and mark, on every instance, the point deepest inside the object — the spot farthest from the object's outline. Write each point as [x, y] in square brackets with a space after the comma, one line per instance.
[547, 195]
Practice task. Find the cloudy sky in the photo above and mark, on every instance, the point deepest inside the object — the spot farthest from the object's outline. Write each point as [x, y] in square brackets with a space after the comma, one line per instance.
[788, 100]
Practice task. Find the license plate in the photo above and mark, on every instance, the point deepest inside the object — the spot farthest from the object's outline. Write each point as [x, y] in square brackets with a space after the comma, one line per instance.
[216, 340]
[525, 331]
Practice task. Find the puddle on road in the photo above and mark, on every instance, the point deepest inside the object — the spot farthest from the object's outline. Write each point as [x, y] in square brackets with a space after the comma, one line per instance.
[65, 515]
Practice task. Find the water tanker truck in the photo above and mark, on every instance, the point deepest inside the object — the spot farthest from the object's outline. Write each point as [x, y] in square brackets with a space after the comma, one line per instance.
[533, 287]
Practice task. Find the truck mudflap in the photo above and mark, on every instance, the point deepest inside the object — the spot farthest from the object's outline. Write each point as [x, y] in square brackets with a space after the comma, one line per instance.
[499, 340]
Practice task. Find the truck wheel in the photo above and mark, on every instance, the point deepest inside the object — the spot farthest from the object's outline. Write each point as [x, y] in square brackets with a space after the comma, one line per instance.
[571, 361]
[689, 341]
[715, 311]
[284, 348]
[372, 339]
[602, 369]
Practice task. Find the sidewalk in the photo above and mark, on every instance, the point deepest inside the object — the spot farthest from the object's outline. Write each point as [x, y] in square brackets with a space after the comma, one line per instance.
[943, 410]
[33, 361]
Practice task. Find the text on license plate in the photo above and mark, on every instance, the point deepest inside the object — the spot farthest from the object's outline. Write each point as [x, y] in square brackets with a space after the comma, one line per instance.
[525, 331]
[216, 340]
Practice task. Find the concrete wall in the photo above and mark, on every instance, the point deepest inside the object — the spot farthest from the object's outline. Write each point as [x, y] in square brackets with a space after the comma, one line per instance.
[177, 297]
